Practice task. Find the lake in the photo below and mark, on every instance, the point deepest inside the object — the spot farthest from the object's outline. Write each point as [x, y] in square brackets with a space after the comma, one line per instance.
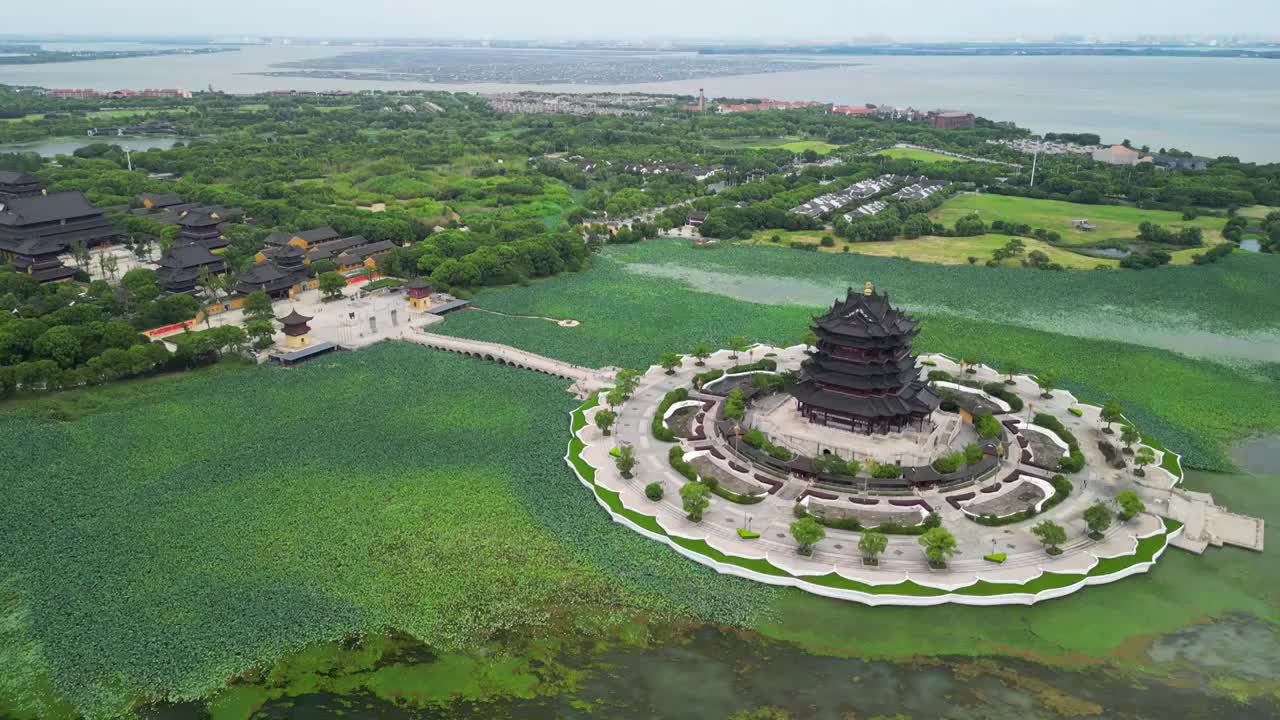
[1210, 106]
[53, 147]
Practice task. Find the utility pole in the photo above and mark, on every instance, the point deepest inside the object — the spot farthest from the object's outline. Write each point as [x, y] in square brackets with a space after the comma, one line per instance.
[1034, 158]
[129, 157]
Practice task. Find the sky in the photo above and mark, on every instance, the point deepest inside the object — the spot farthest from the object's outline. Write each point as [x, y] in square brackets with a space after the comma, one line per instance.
[652, 19]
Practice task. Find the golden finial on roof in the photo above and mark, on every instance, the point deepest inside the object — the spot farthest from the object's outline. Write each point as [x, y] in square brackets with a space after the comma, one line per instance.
[867, 290]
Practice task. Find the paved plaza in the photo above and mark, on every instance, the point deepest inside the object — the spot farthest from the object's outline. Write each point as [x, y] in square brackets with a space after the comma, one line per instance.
[904, 557]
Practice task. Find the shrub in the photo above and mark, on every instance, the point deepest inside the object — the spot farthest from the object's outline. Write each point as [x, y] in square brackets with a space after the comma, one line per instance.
[997, 389]
[676, 458]
[885, 471]
[949, 463]
[987, 426]
[973, 454]
[735, 406]
[995, 557]
[747, 534]
[702, 378]
[761, 364]
[1074, 461]
[759, 441]
[653, 491]
[940, 375]
[1130, 505]
[928, 363]
[1076, 411]
[660, 429]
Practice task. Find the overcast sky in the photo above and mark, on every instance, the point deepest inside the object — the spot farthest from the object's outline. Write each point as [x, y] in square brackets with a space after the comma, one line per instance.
[783, 19]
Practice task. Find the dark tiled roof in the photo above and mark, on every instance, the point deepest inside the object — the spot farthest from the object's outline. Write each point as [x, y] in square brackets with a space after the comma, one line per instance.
[186, 256]
[46, 208]
[9, 177]
[294, 318]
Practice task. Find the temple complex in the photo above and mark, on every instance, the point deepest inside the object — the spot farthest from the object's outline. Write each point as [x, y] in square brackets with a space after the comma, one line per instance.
[36, 228]
[202, 228]
[180, 268]
[861, 376]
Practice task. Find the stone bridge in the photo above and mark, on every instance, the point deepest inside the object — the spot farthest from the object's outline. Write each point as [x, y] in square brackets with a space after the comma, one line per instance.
[586, 379]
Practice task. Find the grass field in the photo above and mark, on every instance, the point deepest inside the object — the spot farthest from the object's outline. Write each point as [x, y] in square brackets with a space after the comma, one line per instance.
[920, 155]
[794, 144]
[1114, 222]
[1258, 211]
[942, 250]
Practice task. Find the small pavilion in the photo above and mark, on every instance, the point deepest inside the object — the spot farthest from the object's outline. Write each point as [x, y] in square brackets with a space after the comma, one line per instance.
[419, 294]
[296, 330]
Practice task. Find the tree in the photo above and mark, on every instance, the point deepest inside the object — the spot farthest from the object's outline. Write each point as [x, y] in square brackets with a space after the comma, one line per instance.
[626, 460]
[670, 361]
[605, 419]
[260, 331]
[80, 253]
[1047, 380]
[1051, 535]
[1129, 435]
[1130, 505]
[737, 344]
[1144, 458]
[331, 284]
[1098, 517]
[626, 381]
[615, 397]
[807, 532]
[1010, 369]
[968, 363]
[939, 544]
[1112, 412]
[257, 306]
[653, 491]
[872, 544]
[810, 339]
[695, 497]
[702, 351]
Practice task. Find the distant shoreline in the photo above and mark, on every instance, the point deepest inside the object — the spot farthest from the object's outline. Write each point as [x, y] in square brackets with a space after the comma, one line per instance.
[985, 50]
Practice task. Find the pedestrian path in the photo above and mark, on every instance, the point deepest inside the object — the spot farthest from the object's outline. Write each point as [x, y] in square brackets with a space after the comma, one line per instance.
[586, 379]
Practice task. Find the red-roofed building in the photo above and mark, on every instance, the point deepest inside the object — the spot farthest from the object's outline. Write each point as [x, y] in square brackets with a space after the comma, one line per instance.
[859, 110]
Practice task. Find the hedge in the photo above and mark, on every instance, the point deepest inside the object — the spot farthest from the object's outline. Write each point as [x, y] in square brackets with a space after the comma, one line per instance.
[759, 441]
[996, 389]
[702, 378]
[660, 429]
[1074, 462]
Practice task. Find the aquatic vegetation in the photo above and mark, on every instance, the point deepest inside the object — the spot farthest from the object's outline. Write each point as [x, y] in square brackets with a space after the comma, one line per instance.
[205, 525]
[629, 318]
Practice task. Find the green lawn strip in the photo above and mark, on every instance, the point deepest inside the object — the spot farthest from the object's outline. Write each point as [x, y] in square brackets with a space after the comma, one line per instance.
[1113, 222]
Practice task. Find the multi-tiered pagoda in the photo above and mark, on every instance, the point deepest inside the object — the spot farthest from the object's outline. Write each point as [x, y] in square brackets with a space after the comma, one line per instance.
[862, 375]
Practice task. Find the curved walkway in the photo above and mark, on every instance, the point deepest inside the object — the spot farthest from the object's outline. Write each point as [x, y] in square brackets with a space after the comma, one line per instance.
[586, 379]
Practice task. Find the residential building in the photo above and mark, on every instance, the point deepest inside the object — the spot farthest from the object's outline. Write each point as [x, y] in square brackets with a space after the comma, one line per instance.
[1172, 162]
[951, 119]
[1117, 155]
